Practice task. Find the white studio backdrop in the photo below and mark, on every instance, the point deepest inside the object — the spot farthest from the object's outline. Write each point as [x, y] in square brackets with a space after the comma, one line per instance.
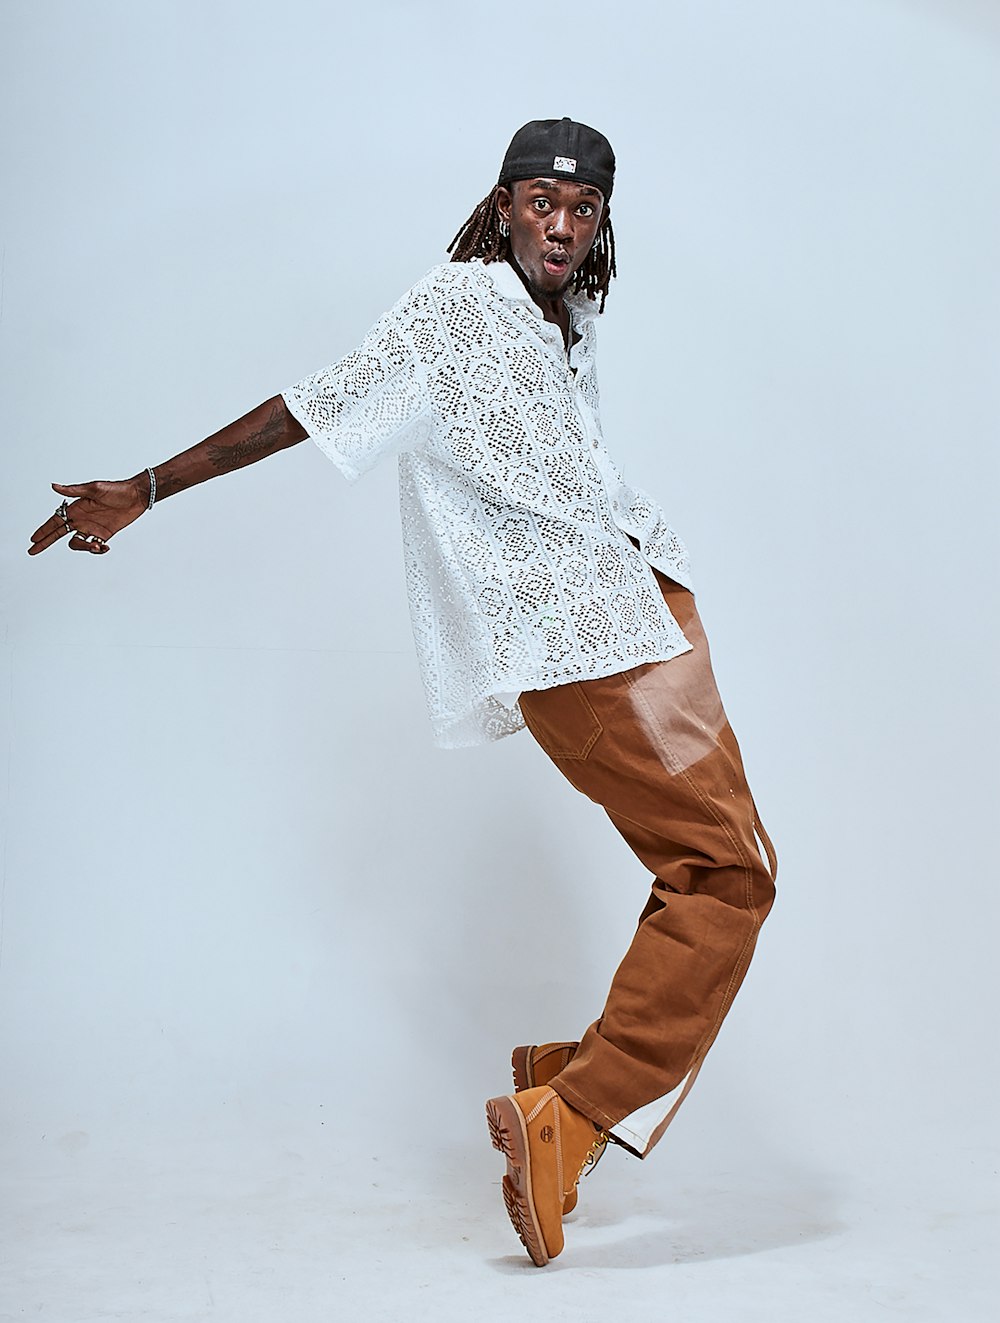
[241, 889]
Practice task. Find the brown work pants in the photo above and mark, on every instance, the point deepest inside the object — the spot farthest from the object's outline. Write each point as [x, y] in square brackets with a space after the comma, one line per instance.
[653, 747]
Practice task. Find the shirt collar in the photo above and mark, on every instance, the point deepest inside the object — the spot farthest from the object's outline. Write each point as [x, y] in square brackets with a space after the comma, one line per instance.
[508, 284]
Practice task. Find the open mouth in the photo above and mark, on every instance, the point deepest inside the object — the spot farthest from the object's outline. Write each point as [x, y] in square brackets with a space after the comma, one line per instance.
[556, 262]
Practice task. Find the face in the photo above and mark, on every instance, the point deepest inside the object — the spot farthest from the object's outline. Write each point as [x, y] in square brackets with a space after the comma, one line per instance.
[553, 224]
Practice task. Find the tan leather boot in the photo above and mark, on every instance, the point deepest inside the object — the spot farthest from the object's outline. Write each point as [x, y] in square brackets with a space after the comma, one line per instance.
[547, 1144]
[536, 1065]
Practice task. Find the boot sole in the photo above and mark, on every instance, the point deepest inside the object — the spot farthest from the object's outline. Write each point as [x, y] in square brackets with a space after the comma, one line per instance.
[520, 1062]
[509, 1136]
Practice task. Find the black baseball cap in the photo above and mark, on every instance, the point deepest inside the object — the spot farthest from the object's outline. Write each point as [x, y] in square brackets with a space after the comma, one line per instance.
[560, 149]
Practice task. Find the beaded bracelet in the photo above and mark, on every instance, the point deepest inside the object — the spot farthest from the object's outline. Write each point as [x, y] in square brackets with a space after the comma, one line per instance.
[152, 489]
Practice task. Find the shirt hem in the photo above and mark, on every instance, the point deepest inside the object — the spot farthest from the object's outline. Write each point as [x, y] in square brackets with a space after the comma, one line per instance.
[448, 731]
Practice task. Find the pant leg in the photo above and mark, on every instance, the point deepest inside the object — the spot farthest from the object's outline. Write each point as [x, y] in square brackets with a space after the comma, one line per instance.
[652, 746]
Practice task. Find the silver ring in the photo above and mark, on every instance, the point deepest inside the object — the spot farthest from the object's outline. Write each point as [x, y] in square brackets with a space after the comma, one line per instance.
[63, 514]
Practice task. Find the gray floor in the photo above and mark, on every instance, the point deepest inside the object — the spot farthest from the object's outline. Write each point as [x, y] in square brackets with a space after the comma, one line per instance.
[249, 1223]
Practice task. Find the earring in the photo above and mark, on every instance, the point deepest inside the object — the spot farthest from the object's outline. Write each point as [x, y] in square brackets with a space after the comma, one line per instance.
[505, 229]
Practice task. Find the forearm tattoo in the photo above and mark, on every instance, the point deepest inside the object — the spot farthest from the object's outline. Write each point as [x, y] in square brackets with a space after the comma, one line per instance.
[168, 485]
[254, 445]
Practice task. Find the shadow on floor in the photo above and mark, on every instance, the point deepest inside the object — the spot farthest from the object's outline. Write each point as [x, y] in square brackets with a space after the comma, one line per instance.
[701, 1226]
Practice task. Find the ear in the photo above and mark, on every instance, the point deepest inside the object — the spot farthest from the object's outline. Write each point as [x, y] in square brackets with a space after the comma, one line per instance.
[505, 201]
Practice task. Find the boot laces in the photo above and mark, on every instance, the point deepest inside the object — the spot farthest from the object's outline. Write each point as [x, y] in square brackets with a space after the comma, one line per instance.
[595, 1151]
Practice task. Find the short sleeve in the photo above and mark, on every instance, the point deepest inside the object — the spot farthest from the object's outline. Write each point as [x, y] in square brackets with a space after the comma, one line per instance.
[371, 403]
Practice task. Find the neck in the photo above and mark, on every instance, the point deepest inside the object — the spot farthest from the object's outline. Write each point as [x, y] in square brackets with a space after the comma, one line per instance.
[552, 306]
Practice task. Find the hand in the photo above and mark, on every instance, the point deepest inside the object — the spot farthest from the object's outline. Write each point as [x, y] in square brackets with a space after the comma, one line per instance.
[100, 510]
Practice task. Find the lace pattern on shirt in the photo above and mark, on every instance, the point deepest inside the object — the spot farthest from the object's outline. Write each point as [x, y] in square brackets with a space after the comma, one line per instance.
[519, 570]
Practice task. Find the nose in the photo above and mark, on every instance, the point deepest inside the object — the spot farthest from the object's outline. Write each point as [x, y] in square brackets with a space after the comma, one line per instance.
[560, 227]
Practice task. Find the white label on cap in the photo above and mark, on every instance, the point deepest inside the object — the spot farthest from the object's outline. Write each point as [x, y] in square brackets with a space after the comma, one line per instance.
[564, 163]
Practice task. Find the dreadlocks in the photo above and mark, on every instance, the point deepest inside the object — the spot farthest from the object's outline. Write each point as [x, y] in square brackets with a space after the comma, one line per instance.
[481, 236]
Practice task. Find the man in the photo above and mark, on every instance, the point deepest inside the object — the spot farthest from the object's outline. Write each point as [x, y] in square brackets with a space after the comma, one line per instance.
[547, 592]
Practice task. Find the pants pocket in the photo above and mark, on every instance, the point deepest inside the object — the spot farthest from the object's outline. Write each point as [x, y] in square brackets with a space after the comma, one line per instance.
[562, 720]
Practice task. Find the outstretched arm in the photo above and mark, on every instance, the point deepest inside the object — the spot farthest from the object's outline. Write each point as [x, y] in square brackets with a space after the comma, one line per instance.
[99, 510]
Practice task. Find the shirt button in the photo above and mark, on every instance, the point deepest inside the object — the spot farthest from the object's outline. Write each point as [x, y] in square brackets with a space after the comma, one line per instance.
[594, 444]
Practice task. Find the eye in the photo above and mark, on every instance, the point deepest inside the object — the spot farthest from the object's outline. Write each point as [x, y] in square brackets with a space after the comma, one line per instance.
[540, 204]
[586, 209]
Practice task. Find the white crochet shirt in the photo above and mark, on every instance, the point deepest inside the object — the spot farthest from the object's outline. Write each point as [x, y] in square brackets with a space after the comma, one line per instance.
[515, 518]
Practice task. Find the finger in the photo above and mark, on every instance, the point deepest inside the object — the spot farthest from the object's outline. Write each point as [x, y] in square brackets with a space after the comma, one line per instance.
[88, 542]
[42, 543]
[52, 525]
[74, 488]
